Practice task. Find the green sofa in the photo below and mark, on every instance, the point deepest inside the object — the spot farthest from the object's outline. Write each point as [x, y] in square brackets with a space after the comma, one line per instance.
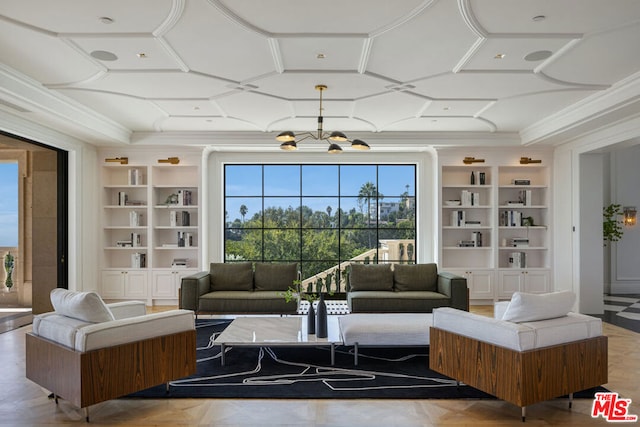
[407, 288]
[240, 288]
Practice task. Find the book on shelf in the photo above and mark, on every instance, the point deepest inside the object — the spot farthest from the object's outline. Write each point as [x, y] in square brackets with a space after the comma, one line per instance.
[469, 198]
[472, 223]
[517, 260]
[511, 218]
[135, 219]
[136, 240]
[521, 182]
[184, 197]
[518, 242]
[180, 263]
[134, 203]
[124, 243]
[138, 260]
[457, 218]
[169, 245]
[466, 244]
[476, 238]
[134, 177]
[182, 218]
[524, 197]
[122, 198]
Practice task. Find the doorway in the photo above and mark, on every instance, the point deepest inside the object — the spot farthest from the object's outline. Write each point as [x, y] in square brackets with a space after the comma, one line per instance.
[41, 252]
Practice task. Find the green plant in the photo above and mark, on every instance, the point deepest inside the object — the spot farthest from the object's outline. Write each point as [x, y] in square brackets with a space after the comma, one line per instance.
[9, 263]
[612, 226]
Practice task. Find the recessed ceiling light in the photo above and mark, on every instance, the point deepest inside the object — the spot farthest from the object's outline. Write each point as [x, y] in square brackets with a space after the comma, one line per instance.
[445, 108]
[196, 108]
[141, 55]
[106, 20]
[539, 18]
[499, 56]
[538, 55]
[321, 56]
[103, 55]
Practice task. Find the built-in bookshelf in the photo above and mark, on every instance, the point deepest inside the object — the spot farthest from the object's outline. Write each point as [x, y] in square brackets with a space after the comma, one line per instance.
[494, 225]
[150, 231]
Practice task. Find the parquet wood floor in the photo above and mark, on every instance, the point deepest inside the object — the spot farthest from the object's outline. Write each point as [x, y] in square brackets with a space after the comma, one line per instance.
[23, 403]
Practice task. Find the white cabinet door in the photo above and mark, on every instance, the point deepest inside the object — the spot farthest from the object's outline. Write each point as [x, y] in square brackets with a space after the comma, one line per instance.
[530, 281]
[164, 284]
[112, 285]
[479, 282]
[536, 282]
[135, 284]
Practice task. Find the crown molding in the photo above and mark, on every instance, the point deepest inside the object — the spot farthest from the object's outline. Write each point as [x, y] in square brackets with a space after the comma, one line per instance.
[616, 104]
[31, 95]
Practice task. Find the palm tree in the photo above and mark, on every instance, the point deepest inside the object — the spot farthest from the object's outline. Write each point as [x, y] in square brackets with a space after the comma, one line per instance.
[367, 192]
[243, 211]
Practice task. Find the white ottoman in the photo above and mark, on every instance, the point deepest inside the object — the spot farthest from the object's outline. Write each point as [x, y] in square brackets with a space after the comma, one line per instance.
[385, 330]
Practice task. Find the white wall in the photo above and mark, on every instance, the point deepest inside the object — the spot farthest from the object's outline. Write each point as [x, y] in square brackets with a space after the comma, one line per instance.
[590, 230]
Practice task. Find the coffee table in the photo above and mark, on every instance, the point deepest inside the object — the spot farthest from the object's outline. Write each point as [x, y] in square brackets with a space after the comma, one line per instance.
[263, 331]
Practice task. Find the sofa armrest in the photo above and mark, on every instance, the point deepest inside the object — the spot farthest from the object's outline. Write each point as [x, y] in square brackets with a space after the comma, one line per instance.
[455, 287]
[126, 309]
[191, 287]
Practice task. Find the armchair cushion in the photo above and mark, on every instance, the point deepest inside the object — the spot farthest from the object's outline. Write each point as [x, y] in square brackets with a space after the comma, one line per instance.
[275, 277]
[532, 307]
[231, 276]
[415, 277]
[84, 306]
[371, 277]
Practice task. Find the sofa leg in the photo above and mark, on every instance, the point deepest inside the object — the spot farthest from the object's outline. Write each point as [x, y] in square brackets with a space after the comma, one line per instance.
[524, 413]
[570, 400]
[355, 354]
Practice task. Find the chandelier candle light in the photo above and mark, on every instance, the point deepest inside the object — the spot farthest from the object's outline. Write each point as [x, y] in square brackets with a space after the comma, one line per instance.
[289, 142]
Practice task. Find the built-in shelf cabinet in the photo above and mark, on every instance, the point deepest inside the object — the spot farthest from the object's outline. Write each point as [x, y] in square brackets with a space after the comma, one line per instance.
[494, 226]
[151, 223]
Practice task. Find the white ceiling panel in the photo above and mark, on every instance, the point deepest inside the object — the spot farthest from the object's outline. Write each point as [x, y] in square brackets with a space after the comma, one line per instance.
[264, 108]
[485, 85]
[189, 107]
[217, 124]
[452, 108]
[134, 53]
[486, 57]
[440, 124]
[561, 16]
[337, 53]
[530, 108]
[611, 63]
[330, 108]
[47, 59]
[302, 85]
[389, 108]
[119, 108]
[417, 48]
[308, 124]
[329, 16]
[208, 42]
[83, 16]
[154, 85]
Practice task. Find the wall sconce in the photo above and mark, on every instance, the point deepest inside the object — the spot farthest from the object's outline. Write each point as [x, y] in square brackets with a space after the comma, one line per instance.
[171, 160]
[629, 213]
[121, 160]
[470, 160]
[528, 161]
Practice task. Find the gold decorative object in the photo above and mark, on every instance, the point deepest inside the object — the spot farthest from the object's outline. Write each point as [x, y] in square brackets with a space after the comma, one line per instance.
[121, 160]
[171, 160]
[470, 160]
[528, 161]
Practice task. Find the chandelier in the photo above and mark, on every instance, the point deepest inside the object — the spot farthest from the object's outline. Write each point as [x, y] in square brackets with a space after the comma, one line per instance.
[290, 140]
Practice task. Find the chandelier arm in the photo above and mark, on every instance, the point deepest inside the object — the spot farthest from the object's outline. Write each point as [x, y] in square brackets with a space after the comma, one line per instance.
[304, 135]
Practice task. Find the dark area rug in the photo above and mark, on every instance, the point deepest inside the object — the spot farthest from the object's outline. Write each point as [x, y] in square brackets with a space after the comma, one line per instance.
[307, 373]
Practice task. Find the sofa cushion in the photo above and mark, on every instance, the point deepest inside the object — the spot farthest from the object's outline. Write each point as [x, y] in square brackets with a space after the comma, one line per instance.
[532, 307]
[58, 328]
[84, 306]
[371, 277]
[415, 277]
[275, 277]
[231, 276]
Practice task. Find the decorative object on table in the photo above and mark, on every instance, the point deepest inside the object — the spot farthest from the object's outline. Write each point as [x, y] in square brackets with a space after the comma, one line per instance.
[311, 319]
[321, 318]
[9, 265]
[612, 226]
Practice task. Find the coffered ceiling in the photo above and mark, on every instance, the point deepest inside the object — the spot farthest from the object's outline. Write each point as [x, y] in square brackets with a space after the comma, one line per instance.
[106, 71]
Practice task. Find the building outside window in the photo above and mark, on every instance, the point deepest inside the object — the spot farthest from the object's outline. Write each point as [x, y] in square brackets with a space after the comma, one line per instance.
[323, 217]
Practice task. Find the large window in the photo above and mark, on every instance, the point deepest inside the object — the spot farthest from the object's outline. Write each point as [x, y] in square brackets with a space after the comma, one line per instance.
[320, 216]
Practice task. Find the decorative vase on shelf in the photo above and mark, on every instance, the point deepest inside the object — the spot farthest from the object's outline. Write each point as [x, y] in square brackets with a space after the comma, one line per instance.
[321, 316]
[311, 319]
[9, 264]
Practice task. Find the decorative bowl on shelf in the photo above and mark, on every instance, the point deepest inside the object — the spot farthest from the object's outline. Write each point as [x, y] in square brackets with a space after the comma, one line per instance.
[452, 202]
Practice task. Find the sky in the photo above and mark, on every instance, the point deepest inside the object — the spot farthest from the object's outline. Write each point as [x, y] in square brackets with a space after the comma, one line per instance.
[9, 204]
[282, 185]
